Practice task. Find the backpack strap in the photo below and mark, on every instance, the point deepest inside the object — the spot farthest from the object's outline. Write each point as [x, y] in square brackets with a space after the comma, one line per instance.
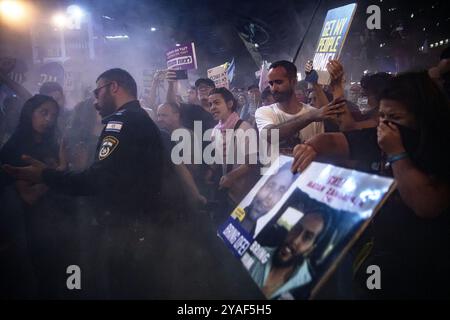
[227, 168]
[238, 124]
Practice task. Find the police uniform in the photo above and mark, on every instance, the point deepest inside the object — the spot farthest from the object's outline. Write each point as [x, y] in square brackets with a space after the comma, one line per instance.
[125, 182]
[126, 174]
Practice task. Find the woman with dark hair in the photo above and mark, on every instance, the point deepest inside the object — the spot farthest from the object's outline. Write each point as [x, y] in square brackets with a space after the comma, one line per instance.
[410, 236]
[41, 217]
[34, 136]
[236, 178]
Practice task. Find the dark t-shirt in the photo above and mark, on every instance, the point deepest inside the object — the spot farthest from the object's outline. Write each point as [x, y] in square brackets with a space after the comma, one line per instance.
[129, 157]
[16, 146]
[364, 150]
[413, 253]
[193, 112]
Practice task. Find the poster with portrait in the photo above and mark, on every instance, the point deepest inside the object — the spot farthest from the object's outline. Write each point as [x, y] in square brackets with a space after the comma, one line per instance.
[297, 227]
[332, 38]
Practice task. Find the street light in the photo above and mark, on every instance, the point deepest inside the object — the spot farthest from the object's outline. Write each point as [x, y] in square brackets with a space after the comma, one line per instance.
[59, 20]
[12, 10]
[75, 11]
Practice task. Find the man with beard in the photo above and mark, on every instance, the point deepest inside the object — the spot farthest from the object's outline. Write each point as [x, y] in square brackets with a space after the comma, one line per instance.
[288, 268]
[295, 121]
[266, 198]
[125, 181]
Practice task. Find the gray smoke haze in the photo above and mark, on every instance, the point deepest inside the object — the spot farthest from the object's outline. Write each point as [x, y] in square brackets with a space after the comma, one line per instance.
[212, 26]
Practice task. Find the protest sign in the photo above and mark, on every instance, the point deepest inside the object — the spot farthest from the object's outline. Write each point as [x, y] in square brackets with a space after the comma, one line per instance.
[182, 57]
[219, 75]
[303, 223]
[332, 37]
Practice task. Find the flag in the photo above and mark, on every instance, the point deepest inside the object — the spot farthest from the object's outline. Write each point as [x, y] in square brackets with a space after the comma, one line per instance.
[230, 70]
[263, 81]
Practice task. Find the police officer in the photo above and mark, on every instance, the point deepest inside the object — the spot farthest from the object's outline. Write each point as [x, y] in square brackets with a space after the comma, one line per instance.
[125, 180]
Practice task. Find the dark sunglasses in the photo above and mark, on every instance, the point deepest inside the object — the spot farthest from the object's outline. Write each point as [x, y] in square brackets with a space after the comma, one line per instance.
[96, 91]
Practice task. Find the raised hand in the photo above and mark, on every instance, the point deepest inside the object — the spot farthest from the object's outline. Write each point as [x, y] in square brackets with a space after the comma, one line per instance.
[336, 71]
[330, 111]
[303, 154]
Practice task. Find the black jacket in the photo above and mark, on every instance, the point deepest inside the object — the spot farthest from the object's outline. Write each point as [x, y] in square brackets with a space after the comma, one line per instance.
[126, 175]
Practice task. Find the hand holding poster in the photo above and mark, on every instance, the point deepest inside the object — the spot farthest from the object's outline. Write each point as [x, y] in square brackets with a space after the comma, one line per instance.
[182, 57]
[297, 227]
[332, 37]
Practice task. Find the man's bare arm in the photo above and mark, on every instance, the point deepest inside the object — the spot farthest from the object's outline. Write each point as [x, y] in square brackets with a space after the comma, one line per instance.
[323, 146]
[293, 126]
[172, 87]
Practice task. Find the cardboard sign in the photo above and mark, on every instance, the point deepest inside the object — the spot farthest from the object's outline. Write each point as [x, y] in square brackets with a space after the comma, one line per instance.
[219, 75]
[182, 57]
[332, 37]
[327, 205]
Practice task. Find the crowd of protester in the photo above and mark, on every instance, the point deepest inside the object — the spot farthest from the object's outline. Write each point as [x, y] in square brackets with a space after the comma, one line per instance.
[392, 125]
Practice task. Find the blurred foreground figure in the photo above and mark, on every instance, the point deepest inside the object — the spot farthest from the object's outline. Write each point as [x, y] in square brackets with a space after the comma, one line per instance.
[125, 180]
[148, 243]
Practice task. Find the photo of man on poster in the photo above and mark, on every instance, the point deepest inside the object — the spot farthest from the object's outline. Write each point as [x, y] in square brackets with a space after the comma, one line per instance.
[266, 198]
[289, 267]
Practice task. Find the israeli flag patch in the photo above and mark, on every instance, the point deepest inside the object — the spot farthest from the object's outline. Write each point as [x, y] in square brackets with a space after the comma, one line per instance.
[114, 126]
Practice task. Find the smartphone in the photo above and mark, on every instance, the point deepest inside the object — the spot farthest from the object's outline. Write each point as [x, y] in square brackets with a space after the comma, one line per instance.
[181, 74]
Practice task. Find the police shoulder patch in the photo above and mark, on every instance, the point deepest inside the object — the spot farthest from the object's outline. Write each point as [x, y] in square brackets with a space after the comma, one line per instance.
[114, 126]
[109, 143]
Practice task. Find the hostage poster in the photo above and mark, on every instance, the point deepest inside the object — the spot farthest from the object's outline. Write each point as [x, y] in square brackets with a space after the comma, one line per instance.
[301, 224]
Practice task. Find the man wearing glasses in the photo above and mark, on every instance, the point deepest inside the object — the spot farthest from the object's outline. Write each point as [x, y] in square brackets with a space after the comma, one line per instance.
[125, 181]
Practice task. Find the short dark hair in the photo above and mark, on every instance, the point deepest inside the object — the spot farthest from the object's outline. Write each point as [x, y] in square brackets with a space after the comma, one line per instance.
[227, 96]
[375, 83]
[123, 78]
[253, 86]
[290, 68]
[302, 85]
[266, 93]
[174, 106]
[445, 54]
[48, 87]
[206, 81]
